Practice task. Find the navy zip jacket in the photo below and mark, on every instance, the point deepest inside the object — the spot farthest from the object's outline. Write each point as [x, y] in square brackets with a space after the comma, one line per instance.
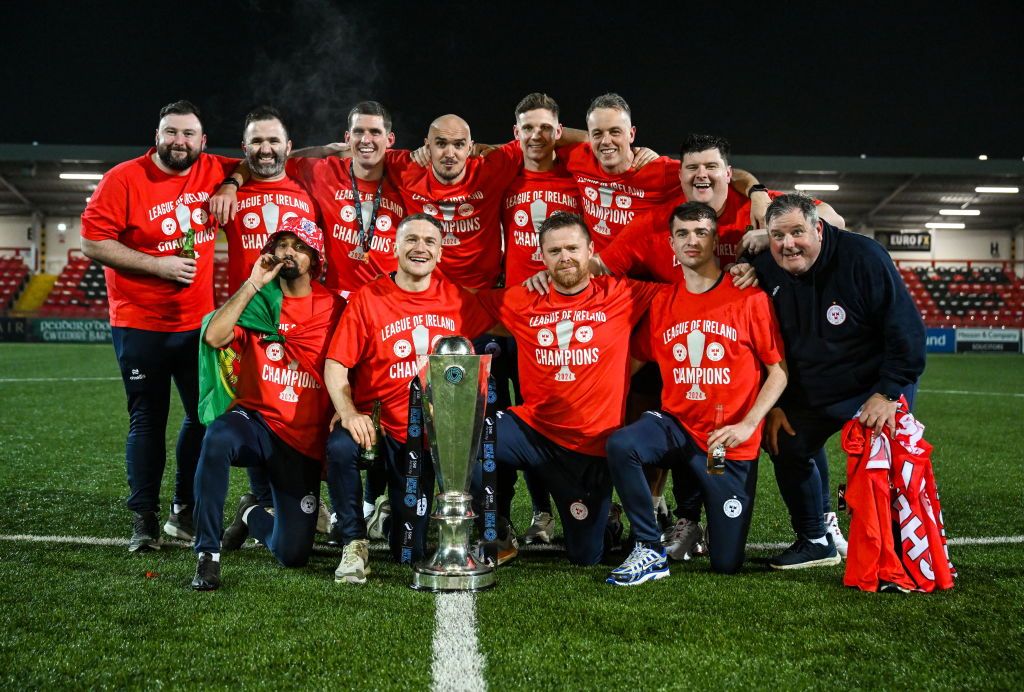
[849, 326]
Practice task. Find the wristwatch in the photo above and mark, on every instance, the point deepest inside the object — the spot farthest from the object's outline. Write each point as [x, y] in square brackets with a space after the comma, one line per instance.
[757, 188]
[231, 180]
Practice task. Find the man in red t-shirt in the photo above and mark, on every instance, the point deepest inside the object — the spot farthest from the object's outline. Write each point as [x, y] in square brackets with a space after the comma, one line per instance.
[614, 193]
[281, 409]
[574, 359]
[720, 355]
[390, 326]
[269, 199]
[148, 223]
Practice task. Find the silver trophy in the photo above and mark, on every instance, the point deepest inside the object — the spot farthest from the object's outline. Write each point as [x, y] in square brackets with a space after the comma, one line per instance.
[454, 397]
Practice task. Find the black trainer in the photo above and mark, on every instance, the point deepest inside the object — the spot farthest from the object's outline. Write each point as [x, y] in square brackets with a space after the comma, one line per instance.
[805, 553]
[236, 532]
[179, 524]
[145, 532]
[207, 573]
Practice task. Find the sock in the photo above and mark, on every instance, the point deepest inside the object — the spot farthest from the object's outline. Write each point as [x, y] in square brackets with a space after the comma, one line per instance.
[820, 541]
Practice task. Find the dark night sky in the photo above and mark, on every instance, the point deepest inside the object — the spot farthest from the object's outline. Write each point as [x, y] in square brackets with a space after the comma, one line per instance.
[815, 79]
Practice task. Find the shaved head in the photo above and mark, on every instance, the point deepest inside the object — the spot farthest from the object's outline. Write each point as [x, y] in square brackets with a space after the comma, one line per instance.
[449, 144]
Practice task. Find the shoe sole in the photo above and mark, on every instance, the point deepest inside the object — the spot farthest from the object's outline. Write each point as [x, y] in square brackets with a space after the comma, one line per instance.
[144, 548]
[175, 532]
[650, 576]
[823, 562]
[205, 587]
[350, 578]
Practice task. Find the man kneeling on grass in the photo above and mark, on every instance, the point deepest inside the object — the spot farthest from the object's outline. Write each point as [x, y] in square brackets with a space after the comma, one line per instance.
[277, 323]
[720, 354]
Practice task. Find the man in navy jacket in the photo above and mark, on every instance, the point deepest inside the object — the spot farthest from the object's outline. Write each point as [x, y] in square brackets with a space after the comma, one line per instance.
[854, 342]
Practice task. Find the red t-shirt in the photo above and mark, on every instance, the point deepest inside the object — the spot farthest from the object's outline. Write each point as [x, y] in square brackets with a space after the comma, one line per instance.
[710, 348]
[642, 249]
[470, 210]
[148, 210]
[530, 199]
[573, 356]
[610, 202]
[273, 381]
[261, 209]
[330, 185]
[385, 334]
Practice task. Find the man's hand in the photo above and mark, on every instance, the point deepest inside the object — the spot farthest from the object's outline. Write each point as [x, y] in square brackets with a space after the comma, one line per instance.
[174, 268]
[421, 156]
[223, 204]
[759, 203]
[743, 275]
[754, 241]
[265, 270]
[642, 156]
[731, 435]
[360, 427]
[538, 283]
[878, 411]
[776, 419]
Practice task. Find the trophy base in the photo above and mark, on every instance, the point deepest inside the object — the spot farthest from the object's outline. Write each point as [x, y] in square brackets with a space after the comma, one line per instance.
[424, 579]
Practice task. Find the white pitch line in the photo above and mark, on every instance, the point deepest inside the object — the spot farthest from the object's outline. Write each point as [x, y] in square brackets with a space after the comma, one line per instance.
[970, 393]
[457, 664]
[59, 379]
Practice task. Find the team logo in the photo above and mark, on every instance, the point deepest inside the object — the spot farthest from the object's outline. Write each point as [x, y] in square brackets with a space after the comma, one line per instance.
[466, 209]
[521, 218]
[168, 226]
[433, 340]
[414, 431]
[454, 374]
[403, 348]
[251, 220]
[584, 334]
[493, 347]
[275, 351]
[545, 337]
[430, 209]
[288, 217]
[578, 510]
[679, 352]
[732, 508]
[591, 193]
[384, 223]
[410, 500]
[715, 351]
[489, 465]
[836, 315]
[308, 504]
[348, 214]
[623, 201]
[199, 217]
[490, 535]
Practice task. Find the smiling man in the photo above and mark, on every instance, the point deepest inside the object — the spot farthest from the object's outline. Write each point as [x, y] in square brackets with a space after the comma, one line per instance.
[139, 218]
[854, 345]
[718, 349]
[278, 421]
[387, 331]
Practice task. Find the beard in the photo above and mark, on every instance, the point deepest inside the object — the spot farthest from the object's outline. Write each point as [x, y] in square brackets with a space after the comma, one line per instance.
[451, 175]
[290, 272]
[180, 164]
[266, 170]
[566, 281]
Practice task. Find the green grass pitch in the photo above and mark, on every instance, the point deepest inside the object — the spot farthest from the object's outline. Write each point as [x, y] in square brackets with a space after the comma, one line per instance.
[78, 615]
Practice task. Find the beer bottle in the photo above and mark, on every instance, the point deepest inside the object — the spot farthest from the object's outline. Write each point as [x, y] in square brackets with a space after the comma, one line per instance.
[188, 245]
[716, 454]
[369, 455]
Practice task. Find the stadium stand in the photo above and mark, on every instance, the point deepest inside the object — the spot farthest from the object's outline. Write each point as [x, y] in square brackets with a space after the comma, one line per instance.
[966, 296]
[14, 275]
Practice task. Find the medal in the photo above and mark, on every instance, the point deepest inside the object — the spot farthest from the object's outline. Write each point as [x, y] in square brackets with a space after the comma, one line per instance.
[366, 230]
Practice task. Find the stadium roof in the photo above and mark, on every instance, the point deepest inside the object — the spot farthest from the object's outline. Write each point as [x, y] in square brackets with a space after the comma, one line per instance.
[873, 193]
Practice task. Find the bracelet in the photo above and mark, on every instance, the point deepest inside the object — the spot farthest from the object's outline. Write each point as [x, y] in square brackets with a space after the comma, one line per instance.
[231, 180]
[254, 286]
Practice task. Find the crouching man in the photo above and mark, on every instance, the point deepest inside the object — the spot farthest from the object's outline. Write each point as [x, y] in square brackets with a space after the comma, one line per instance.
[278, 323]
[720, 355]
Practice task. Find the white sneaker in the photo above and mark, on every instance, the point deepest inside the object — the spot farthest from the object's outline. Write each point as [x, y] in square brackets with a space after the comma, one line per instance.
[541, 530]
[323, 519]
[354, 560]
[682, 540]
[832, 527]
[375, 522]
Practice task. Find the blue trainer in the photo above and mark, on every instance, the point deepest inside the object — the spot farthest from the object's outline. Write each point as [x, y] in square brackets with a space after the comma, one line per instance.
[643, 564]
